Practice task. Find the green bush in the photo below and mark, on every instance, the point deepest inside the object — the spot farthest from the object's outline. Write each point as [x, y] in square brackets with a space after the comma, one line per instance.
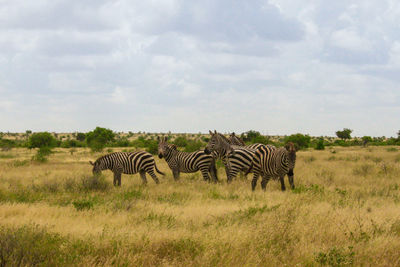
[83, 204]
[181, 141]
[45, 142]
[193, 145]
[320, 144]
[300, 140]
[99, 138]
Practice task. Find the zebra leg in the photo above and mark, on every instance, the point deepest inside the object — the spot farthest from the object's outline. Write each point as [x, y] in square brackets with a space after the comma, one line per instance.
[264, 182]
[281, 179]
[117, 179]
[291, 176]
[254, 181]
[213, 172]
[232, 174]
[154, 176]
[143, 176]
[206, 177]
[227, 171]
[176, 174]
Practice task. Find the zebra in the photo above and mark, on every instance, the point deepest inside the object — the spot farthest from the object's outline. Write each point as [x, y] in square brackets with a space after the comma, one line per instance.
[235, 158]
[272, 163]
[235, 140]
[179, 161]
[127, 163]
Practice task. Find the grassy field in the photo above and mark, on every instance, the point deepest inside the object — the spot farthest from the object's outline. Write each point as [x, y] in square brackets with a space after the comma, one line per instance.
[344, 211]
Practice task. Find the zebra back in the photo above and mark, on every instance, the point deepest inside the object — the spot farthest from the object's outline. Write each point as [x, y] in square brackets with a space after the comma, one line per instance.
[125, 162]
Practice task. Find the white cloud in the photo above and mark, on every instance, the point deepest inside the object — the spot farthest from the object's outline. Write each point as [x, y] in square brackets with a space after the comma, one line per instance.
[279, 66]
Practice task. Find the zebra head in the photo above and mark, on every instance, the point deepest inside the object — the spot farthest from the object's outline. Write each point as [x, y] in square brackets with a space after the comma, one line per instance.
[97, 166]
[163, 146]
[218, 143]
[235, 140]
[291, 149]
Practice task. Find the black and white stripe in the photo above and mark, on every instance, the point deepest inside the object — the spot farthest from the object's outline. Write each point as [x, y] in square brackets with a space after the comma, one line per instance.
[127, 163]
[235, 158]
[179, 161]
[273, 163]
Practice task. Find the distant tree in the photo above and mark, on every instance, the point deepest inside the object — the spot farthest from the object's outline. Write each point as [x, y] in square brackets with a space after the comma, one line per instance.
[344, 134]
[366, 140]
[181, 141]
[80, 137]
[99, 138]
[45, 142]
[28, 132]
[300, 140]
[320, 144]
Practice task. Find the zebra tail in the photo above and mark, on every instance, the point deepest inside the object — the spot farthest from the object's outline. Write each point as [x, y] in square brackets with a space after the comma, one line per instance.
[249, 170]
[160, 172]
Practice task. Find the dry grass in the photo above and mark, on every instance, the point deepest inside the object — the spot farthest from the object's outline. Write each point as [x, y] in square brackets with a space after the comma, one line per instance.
[344, 211]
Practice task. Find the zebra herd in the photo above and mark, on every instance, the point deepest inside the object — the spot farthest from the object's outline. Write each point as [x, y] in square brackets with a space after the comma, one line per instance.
[266, 161]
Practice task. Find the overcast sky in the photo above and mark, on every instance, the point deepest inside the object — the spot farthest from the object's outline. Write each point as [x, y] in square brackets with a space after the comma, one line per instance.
[278, 66]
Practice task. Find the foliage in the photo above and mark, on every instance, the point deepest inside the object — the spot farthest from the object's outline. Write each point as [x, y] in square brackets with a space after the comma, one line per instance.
[43, 139]
[80, 137]
[193, 145]
[300, 140]
[180, 141]
[254, 137]
[45, 142]
[320, 144]
[344, 134]
[366, 139]
[99, 138]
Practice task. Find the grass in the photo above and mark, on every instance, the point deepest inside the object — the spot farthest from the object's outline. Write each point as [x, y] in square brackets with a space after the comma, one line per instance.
[343, 212]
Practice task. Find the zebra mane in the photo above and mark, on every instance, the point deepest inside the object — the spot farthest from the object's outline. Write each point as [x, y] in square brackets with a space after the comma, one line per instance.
[235, 140]
[221, 136]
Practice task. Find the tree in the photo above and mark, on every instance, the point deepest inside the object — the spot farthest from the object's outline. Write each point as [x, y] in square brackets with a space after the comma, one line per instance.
[300, 140]
[45, 142]
[80, 137]
[320, 144]
[344, 134]
[99, 138]
[398, 135]
[366, 140]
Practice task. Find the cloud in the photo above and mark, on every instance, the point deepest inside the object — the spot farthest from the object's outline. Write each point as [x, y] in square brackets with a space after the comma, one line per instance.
[278, 66]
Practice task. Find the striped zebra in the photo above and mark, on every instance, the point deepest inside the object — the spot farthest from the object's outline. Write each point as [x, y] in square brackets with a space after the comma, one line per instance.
[235, 158]
[274, 163]
[127, 163]
[235, 140]
[179, 161]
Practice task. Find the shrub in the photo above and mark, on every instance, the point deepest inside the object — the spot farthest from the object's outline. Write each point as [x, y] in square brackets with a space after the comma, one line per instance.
[180, 141]
[94, 183]
[302, 141]
[99, 138]
[193, 145]
[320, 144]
[29, 246]
[83, 204]
[45, 142]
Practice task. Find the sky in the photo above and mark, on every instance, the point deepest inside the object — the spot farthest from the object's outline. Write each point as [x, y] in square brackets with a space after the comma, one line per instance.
[279, 67]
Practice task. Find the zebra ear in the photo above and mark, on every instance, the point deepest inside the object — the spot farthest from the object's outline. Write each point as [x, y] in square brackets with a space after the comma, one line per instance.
[158, 138]
[215, 131]
[91, 163]
[210, 132]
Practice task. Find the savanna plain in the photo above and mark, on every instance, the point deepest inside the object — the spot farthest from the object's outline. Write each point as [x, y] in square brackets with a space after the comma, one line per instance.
[344, 211]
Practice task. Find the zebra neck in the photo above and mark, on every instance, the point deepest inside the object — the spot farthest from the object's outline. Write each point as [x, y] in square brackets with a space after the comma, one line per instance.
[170, 154]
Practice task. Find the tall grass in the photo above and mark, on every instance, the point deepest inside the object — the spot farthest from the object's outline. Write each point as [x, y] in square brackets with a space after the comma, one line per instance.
[343, 212]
